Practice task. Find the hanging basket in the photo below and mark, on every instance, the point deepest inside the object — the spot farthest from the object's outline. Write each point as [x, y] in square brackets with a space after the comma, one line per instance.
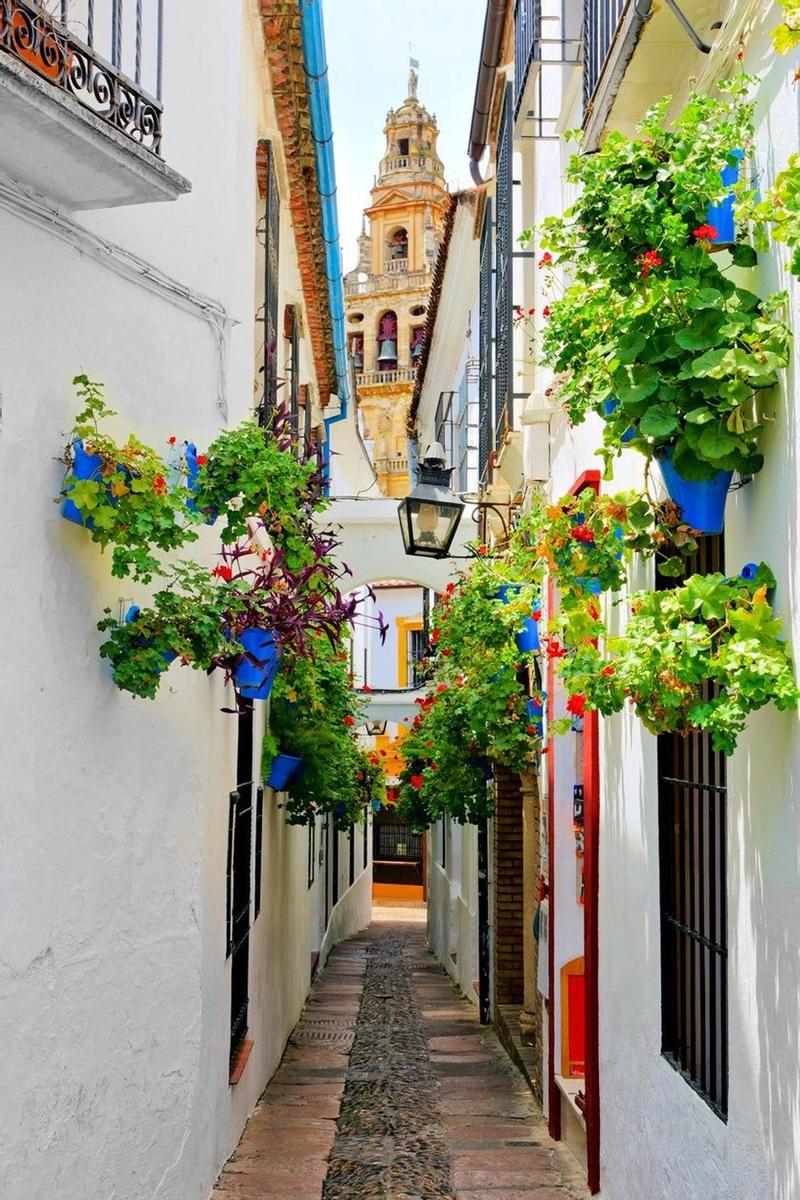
[527, 638]
[192, 469]
[254, 679]
[168, 656]
[284, 768]
[702, 504]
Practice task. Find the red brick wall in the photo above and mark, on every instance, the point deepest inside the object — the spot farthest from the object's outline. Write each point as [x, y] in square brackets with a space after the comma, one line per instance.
[509, 984]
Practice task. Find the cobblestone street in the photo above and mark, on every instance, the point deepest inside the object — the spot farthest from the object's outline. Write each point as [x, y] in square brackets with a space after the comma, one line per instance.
[390, 1090]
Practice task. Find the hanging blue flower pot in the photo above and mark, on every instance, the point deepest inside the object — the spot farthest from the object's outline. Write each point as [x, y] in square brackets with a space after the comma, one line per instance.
[528, 637]
[84, 466]
[609, 408]
[192, 468]
[284, 768]
[168, 656]
[376, 806]
[254, 680]
[702, 504]
[722, 215]
[535, 709]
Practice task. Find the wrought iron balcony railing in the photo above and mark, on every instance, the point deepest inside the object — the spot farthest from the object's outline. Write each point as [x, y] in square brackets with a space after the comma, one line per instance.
[601, 19]
[527, 38]
[105, 53]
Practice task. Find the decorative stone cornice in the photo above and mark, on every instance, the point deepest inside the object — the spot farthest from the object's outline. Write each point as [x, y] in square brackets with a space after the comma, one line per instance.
[284, 46]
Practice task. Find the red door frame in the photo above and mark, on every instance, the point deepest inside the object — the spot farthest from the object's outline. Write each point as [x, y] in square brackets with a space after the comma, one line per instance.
[591, 830]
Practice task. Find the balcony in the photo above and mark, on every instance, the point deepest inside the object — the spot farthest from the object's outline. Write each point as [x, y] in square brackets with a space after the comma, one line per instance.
[527, 35]
[391, 281]
[397, 266]
[397, 375]
[81, 118]
[601, 25]
[396, 465]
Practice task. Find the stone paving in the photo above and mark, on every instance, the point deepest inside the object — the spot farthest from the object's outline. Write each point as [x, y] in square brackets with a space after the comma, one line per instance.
[390, 1090]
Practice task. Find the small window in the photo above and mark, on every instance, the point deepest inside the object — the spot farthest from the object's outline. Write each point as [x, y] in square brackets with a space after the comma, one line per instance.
[418, 310]
[402, 145]
[354, 318]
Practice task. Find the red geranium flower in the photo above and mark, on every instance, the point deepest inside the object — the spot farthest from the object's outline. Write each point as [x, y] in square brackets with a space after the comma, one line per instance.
[223, 571]
[576, 705]
[365, 687]
[706, 233]
[546, 259]
[531, 729]
[441, 687]
[160, 485]
[594, 612]
[483, 550]
[582, 533]
[447, 651]
[348, 720]
[607, 671]
[201, 460]
[451, 587]
[649, 260]
[417, 781]
[171, 441]
[537, 614]
[555, 649]
[546, 310]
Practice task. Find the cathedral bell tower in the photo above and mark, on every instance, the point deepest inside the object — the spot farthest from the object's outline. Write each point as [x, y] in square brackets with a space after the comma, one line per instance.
[386, 295]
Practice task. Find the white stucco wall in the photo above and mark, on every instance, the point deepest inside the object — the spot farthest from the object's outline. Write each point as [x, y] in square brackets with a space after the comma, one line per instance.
[453, 904]
[114, 986]
[658, 1138]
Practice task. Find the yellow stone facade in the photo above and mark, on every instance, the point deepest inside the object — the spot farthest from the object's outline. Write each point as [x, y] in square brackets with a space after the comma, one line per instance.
[388, 290]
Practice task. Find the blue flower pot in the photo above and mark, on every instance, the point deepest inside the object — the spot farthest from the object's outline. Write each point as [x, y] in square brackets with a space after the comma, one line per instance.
[189, 457]
[284, 768]
[536, 713]
[84, 466]
[702, 504]
[376, 806]
[722, 215]
[749, 572]
[609, 408]
[168, 656]
[254, 680]
[528, 637]
[590, 584]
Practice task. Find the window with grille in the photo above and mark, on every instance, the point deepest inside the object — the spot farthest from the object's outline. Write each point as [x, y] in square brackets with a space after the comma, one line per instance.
[268, 231]
[312, 851]
[417, 642]
[240, 866]
[694, 947]
[504, 315]
[351, 850]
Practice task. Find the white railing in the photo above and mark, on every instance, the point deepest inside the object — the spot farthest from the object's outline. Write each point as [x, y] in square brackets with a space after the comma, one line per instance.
[397, 375]
[396, 265]
[386, 283]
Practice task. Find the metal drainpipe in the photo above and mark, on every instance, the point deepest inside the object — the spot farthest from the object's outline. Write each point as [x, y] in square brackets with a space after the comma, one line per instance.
[491, 47]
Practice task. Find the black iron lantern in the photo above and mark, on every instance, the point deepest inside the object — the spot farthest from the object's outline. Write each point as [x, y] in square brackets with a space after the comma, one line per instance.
[429, 517]
[376, 728]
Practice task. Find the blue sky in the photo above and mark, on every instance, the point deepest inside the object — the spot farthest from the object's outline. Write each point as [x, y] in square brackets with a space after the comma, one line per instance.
[367, 43]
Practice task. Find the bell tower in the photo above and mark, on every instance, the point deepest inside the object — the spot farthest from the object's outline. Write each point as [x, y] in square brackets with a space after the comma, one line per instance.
[386, 295]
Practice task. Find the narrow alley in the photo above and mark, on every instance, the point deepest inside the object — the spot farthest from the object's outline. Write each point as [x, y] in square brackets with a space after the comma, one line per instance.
[390, 1090]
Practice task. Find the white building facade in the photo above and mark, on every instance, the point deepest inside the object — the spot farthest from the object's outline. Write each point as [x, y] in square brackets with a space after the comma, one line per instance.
[719, 1117]
[138, 258]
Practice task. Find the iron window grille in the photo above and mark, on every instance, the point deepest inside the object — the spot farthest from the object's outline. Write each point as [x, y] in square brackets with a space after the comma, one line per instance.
[485, 346]
[108, 55]
[692, 791]
[293, 367]
[312, 852]
[601, 20]
[456, 429]
[268, 232]
[394, 841]
[239, 875]
[365, 840]
[417, 643]
[258, 851]
[351, 849]
[504, 311]
[334, 864]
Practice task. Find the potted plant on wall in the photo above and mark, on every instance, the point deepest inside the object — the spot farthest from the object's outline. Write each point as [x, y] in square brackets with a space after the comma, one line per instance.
[120, 491]
[652, 334]
[701, 656]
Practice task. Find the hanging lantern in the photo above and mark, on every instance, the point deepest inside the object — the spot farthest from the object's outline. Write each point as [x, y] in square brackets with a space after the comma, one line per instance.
[430, 515]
